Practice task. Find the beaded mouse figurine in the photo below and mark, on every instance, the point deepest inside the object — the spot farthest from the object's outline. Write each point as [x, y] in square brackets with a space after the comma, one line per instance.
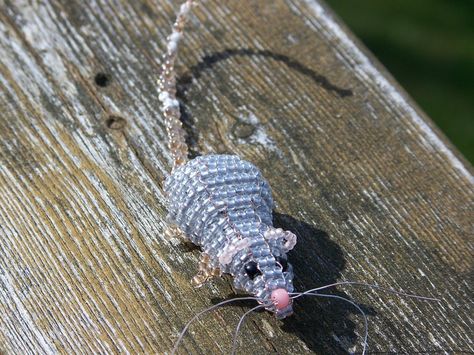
[223, 204]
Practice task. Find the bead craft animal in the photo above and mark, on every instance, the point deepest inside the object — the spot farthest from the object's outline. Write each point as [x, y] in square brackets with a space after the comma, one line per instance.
[223, 204]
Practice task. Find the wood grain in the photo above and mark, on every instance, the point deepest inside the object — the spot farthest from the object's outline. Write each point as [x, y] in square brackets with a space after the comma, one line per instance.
[373, 190]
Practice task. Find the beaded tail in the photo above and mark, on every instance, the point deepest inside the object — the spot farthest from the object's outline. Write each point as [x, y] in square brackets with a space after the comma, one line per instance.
[167, 88]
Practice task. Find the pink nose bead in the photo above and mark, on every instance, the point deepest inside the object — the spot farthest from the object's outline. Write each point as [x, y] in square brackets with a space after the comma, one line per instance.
[280, 298]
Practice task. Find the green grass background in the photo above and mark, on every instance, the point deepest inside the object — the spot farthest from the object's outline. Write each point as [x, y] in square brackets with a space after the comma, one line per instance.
[428, 46]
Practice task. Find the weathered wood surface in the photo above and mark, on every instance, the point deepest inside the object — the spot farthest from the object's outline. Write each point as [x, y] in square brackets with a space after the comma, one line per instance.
[373, 190]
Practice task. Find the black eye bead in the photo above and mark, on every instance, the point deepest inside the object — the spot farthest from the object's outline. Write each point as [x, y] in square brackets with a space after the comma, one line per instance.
[283, 262]
[251, 269]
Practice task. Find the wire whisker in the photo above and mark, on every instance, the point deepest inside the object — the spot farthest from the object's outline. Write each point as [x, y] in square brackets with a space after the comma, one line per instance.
[181, 335]
[377, 287]
[237, 329]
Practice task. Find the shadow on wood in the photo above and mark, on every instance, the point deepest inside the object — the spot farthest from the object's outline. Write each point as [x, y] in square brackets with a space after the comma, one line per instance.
[207, 62]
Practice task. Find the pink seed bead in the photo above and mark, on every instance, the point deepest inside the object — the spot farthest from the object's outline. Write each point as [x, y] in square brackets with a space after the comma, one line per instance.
[280, 298]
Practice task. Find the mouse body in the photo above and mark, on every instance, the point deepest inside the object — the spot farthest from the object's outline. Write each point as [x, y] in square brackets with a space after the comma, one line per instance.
[223, 204]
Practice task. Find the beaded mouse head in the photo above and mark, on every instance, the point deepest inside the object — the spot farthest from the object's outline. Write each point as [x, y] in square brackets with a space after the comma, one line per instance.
[260, 267]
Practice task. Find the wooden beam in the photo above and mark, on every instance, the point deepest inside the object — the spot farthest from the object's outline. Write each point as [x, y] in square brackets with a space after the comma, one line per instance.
[373, 190]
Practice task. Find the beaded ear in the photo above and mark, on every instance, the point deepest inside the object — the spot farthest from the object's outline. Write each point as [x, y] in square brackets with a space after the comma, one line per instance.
[286, 238]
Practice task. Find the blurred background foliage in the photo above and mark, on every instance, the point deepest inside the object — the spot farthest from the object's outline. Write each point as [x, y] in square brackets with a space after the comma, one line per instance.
[428, 46]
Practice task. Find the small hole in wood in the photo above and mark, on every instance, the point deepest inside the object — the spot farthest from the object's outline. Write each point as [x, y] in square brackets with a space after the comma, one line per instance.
[243, 130]
[115, 122]
[102, 79]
